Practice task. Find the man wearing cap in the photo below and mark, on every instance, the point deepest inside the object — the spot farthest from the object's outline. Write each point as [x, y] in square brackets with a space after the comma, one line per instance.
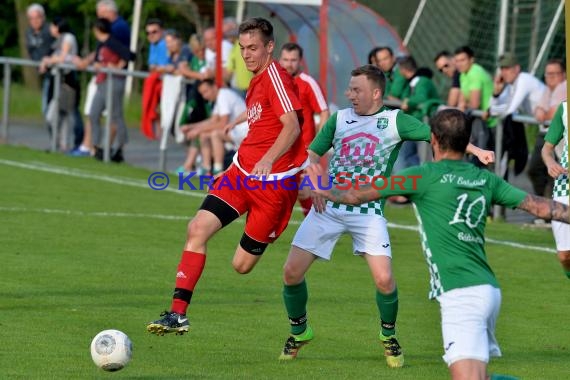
[515, 91]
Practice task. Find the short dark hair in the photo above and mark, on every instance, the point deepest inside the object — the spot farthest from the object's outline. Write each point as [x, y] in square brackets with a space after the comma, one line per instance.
[292, 46]
[154, 21]
[372, 54]
[387, 48]
[61, 24]
[451, 129]
[208, 81]
[174, 33]
[103, 25]
[557, 61]
[373, 74]
[443, 53]
[408, 63]
[260, 24]
[465, 49]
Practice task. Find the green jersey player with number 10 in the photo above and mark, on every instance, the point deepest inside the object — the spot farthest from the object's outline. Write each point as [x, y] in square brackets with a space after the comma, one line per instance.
[452, 199]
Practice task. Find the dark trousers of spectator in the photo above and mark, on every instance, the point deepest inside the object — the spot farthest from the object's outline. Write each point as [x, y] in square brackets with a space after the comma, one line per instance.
[481, 137]
[408, 156]
[537, 172]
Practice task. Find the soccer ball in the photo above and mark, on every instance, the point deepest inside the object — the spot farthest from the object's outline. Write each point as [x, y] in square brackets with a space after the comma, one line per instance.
[111, 350]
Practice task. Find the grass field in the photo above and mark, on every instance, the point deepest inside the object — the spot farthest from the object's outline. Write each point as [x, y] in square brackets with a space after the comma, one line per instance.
[87, 246]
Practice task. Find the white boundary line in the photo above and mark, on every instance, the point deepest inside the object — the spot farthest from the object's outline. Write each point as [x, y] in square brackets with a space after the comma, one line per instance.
[177, 217]
[141, 184]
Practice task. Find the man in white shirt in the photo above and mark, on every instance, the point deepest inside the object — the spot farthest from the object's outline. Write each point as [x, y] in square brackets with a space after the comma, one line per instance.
[514, 92]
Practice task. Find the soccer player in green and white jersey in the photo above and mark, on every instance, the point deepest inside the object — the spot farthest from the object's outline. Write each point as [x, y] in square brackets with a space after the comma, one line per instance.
[557, 131]
[366, 139]
[452, 199]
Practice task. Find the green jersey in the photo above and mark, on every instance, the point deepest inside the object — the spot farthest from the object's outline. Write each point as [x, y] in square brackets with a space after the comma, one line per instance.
[478, 79]
[452, 200]
[557, 131]
[365, 147]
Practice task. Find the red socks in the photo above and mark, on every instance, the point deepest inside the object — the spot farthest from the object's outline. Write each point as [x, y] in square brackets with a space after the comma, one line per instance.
[189, 271]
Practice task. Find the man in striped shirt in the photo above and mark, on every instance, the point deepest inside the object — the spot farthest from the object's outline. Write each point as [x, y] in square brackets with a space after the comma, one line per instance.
[312, 100]
[272, 151]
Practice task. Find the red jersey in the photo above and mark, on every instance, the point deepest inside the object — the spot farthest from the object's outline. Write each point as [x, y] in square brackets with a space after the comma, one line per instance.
[271, 94]
[313, 101]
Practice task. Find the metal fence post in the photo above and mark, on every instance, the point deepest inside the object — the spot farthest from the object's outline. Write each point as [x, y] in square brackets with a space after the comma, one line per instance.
[109, 108]
[6, 102]
[56, 93]
[498, 210]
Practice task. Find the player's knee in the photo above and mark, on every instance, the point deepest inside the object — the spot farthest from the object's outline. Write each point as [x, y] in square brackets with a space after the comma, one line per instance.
[564, 258]
[197, 229]
[241, 267]
[385, 282]
[291, 274]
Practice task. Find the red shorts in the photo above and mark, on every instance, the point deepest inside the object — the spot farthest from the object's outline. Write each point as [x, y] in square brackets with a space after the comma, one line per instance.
[268, 204]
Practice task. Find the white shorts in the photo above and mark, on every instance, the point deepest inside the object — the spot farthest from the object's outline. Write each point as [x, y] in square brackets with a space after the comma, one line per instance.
[319, 233]
[468, 318]
[561, 231]
[238, 133]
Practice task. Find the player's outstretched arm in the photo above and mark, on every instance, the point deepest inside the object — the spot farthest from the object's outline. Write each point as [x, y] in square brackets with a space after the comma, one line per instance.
[485, 156]
[353, 196]
[546, 209]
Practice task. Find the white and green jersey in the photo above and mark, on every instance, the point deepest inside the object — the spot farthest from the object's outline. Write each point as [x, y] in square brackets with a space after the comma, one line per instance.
[452, 200]
[557, 131]
[366, 146]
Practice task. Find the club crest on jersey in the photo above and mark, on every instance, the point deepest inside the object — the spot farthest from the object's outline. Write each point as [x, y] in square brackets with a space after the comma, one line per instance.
[382, 123]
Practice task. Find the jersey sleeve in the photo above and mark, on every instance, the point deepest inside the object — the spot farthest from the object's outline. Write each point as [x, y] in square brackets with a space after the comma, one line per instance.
[323, 141]
[316, 97]
[505, 194]
[556, 129]
[411, 129]
[408, 182]
[282, 93]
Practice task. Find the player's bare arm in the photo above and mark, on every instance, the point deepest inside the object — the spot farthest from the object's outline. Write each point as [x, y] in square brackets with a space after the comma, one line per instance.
[284, 141]
[485, 156]
[320, 180]
[554, 168]
[546, 209]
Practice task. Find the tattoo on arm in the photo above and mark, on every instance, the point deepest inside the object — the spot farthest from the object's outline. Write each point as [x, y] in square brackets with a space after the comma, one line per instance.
[546, 209]
[365, 193]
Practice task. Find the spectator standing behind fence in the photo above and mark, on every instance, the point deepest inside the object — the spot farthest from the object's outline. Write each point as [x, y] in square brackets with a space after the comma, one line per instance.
[210, 43]
[396, 84]
[111, 54]
[235, 71]
[554, 94]
[514, 91]
[157, 50]
[39, 44]
[64, 50]
[120, 31]
[476, 86]
[445, 63]
[152, 85]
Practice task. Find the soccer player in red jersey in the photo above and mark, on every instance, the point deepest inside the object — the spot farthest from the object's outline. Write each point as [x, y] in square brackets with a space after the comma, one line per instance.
[312, 100]
[272, 150]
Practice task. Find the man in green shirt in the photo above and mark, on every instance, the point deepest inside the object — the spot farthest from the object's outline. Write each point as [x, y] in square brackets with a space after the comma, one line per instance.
[396, 84]
[452, 199]
[476, 86]
[366, 139]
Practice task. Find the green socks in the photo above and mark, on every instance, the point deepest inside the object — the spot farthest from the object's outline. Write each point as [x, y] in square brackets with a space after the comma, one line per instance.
[388, 308]
[295, 297]
[567, 273]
